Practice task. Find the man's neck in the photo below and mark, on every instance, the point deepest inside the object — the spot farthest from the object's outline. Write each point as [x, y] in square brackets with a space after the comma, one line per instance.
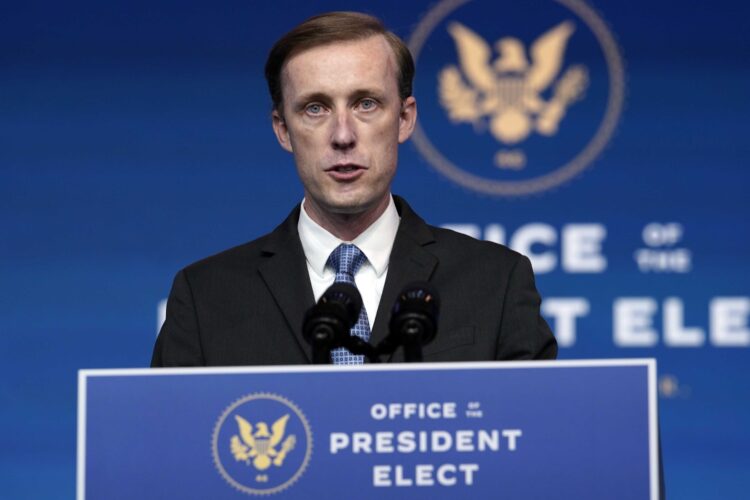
[345, 226]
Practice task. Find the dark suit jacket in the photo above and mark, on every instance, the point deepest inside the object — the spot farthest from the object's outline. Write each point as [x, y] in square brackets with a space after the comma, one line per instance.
[245, 306]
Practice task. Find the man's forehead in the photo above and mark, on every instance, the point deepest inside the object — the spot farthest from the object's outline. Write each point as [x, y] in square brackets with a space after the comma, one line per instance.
[328, 52]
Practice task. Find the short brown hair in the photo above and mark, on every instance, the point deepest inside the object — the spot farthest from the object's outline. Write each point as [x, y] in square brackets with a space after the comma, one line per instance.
[330, 28]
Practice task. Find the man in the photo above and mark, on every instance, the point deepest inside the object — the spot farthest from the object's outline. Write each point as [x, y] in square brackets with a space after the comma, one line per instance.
[341, 90]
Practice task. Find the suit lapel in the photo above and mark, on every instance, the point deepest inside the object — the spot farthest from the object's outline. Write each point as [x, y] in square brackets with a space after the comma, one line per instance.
[285, 274]
[409, 262]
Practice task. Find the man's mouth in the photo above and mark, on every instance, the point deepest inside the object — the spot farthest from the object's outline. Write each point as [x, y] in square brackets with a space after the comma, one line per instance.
[346, 172]
[345, 168]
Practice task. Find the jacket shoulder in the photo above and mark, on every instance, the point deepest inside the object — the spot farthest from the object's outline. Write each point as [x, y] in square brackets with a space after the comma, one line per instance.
[240, 256]
[248, 255]
[469, 248]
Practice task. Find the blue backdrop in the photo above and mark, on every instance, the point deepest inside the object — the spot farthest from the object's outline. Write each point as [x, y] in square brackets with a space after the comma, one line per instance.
[135, 139]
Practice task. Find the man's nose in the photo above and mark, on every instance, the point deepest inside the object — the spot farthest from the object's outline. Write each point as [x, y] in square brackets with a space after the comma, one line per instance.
[344, 135]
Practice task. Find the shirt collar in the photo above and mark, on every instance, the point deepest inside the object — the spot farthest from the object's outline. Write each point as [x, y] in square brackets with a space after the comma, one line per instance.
[375, 242]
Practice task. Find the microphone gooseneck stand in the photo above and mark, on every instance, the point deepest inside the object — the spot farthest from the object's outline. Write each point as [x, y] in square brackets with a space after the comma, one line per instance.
[413, 323]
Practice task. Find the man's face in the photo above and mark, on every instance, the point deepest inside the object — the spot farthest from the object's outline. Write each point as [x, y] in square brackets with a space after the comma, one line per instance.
[343, 119]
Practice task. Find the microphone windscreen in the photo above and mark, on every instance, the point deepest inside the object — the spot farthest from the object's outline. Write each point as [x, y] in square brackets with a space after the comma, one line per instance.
[346, 296]
[418, 301]
[419, 294]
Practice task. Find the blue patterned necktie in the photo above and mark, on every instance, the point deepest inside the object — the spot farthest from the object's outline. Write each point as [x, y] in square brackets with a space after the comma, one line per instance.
[346, 260]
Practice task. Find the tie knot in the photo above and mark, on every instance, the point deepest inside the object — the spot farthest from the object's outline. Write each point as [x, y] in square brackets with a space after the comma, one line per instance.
[346, 260]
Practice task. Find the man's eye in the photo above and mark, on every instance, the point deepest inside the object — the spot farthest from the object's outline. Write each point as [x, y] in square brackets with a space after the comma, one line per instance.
[314, 109]
[367, 104]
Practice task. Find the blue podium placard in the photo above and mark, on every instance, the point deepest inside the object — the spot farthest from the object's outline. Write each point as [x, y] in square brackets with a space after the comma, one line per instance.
[515, 430]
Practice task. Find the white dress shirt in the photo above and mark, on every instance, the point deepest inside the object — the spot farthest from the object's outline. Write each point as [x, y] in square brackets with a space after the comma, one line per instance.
[375, 242]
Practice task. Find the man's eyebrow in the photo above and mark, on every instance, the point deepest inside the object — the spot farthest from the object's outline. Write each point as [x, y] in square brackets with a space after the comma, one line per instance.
[324, 98]
[360, 93]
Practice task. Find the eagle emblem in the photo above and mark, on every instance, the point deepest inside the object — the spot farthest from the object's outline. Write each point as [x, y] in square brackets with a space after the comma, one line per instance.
[259, 446]
[509, 90]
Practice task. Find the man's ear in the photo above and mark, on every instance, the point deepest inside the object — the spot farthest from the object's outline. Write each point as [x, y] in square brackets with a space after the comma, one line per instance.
[407, 119]
[281, 130]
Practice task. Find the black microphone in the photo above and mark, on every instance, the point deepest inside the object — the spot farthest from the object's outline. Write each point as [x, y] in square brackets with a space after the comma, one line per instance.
[413, 320]
[327, 323]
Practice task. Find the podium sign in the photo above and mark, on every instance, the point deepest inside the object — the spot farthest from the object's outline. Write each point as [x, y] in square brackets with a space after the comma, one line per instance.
[562, 429]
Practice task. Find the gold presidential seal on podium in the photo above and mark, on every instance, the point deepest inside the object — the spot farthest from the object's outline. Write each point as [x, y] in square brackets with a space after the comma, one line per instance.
[516, 97]
[261, 444]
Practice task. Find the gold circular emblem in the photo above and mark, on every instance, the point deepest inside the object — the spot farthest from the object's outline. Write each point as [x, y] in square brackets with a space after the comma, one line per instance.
[484, 90]
[265, 448]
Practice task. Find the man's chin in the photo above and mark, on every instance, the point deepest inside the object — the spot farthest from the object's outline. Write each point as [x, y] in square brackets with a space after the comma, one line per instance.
[353, 206]
[347, 208]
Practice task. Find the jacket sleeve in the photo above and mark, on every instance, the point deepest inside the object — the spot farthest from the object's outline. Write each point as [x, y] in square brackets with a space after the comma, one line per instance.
[524, 334]
[179, 340]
